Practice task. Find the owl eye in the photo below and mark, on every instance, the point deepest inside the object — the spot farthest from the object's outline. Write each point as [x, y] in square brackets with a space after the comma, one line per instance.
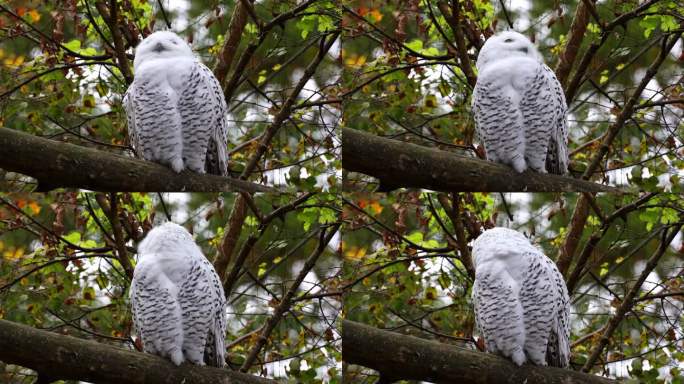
[509, 40]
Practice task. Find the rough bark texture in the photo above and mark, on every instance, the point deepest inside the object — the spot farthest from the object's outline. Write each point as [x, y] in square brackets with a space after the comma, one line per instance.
[400, 357]
[577, 31]
[574, 235]
[231, 235]
[61, 165]
[403, 165]
[69, 358]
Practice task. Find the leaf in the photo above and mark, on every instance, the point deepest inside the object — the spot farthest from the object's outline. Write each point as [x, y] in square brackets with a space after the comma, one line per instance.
[73, 45]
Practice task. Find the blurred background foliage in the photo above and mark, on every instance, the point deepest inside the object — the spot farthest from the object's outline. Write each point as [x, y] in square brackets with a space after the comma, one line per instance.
[61, 270]
[404, 79]
[407, 269]
[61, 78]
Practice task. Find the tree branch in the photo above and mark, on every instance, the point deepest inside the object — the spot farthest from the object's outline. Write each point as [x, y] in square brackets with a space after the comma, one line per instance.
[286, 301]
[578, 29]
[628, 109]
[400, 357]
[630, 297]
[68, 358]
[399, 164]
[55, 164]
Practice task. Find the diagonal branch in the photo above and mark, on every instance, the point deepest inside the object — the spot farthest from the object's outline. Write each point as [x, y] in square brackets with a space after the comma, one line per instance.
[61, 165]
[285, 110]
[68, 358]
[630, 297]
[286, 301]
[628, 109]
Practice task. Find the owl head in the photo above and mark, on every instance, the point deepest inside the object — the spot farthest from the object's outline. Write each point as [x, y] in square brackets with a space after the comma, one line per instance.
[499, 244]
[161, 45]
[166, 234]
[505, 45]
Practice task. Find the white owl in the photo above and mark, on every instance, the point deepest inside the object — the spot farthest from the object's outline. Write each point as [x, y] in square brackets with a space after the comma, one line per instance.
[519, 106]
[522, 308]
[175, 108]
[177, 299]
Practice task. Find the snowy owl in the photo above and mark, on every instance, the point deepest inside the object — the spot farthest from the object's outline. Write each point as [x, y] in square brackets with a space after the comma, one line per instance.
[175, 108]
[521, 302]
[177, 299]
[519, 106]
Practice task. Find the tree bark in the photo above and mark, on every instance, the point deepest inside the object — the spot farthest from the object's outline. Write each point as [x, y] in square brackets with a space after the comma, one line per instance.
[62, 357]
[400, 357]
[61, 165]
[399, 164]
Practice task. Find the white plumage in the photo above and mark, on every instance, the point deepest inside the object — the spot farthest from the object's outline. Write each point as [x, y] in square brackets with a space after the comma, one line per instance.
[175, 108]
[519, 106]
[522, 308]
[177, 299]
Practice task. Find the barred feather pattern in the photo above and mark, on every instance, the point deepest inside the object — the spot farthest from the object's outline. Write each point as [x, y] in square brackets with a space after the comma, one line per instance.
[175, 108]
[177, 299]
[519, 106]
[522, 307]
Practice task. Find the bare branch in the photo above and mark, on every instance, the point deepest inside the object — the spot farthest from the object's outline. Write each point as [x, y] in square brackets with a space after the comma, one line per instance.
[403, 165]
[61, 165]
[68, 358]
[401, 357]
[630, 297]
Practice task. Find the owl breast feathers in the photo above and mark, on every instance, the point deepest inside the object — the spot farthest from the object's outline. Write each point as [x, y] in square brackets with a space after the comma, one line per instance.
[519, 106]
[175, 108]
[522, 308]
[177, 299]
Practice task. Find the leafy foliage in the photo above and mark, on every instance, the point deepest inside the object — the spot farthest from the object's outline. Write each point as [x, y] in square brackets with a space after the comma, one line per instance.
[63, 268]
[407, 269]
[407, 78]
[66, 73]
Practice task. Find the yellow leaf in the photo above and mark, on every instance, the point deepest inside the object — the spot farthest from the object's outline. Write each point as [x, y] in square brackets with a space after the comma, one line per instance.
[35, 208]
[12, 254]
[355, 253]
[376, 207]
[34, 15]
[376, 15]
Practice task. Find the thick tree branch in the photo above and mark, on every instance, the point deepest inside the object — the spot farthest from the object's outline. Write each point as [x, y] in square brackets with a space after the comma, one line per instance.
[399, 164]
[578, 29]
[69, 358]
[400, 357]
[55, 164]
[231, 235]
[238, 20]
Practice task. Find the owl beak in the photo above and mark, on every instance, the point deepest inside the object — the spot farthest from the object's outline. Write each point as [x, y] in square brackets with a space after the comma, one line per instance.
[158, 48]
[523, 49]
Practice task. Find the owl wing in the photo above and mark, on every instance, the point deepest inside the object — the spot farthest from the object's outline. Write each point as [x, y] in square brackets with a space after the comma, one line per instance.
[203, 305]
[499, 315]
[217, 154]
[545, 305]
[557, 154]
[156, 312]
[154, 123]
[127, 103]
[215, 350]
[203, 110]
[499, 123]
